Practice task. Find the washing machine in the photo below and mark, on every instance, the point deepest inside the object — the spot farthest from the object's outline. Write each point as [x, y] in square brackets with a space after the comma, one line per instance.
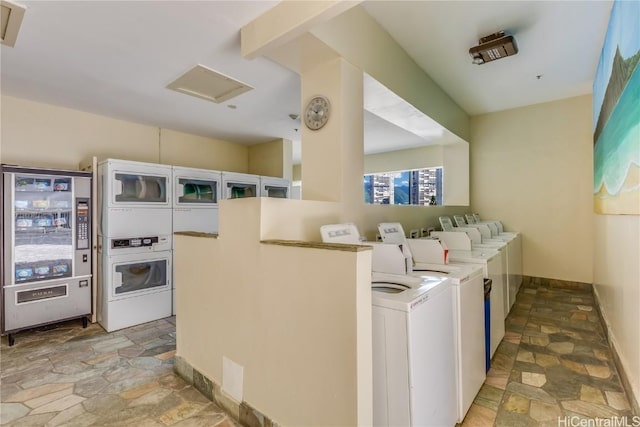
[514, 242]
[491, 265]
[415, 379]
[489, 259]
[468, 291]
[468, 295]
[414, 361]
[467, 237]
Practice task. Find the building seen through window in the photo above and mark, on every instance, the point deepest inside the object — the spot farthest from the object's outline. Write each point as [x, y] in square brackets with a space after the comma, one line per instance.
[413, 187]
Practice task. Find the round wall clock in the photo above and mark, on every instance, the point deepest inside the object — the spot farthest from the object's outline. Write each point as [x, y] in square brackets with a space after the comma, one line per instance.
[316, 114]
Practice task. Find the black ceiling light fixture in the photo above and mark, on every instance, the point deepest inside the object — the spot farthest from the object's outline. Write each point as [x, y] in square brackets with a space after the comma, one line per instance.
[494, 46]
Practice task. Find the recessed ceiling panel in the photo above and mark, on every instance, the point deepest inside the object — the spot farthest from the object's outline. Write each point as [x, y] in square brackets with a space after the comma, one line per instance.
[208, 84]
[12, 15]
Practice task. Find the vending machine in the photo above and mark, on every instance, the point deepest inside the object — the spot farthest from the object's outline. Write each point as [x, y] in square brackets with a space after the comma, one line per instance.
[46, 247]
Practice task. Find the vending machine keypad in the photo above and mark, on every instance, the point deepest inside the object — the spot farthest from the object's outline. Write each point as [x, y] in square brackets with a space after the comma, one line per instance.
[82, 223]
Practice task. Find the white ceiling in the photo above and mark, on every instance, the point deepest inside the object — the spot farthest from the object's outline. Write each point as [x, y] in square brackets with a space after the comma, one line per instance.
[115, 58]
[559, 40]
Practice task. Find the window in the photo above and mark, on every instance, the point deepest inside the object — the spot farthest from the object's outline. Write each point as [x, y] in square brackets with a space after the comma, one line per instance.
[413, 187]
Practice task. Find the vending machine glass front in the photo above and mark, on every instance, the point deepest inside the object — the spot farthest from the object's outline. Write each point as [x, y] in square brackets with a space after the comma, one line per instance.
[42, 227]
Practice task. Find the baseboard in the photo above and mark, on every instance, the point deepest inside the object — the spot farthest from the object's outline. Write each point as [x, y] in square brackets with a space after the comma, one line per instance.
[557, 283]
[624, 379]
[242, 412]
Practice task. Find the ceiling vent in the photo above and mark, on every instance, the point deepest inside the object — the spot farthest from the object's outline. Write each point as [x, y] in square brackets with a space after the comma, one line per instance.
[208, 84]
[492, 47]
[12, 15]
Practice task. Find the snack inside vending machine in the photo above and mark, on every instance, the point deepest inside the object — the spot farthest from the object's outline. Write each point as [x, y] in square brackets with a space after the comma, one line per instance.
[46, 247]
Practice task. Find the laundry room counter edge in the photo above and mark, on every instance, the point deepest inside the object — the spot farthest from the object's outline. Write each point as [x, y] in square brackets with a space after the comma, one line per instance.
[196, 234]
[318, 245]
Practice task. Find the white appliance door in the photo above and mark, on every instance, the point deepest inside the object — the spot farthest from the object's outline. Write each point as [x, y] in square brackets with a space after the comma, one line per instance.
[134, 275]
[274, 187]
[196, 192]
[239, 186]
[139, 185]
[241, 190]
[278, 192]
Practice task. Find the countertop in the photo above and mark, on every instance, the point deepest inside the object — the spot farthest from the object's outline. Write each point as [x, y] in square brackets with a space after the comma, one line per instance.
[318, 245]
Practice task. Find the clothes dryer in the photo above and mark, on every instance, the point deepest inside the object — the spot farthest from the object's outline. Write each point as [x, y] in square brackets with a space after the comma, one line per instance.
[240, 185]
[135, 198]
[196, 193]
[274, 187]
[136, 289]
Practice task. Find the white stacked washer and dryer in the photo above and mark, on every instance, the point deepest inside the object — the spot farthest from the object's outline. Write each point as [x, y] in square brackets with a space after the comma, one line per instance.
[141, 206]
[196, 193]
[135, 243]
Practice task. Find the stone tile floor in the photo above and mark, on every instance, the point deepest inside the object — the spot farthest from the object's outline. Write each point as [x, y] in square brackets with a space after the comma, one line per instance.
[554, 362]
[69, 376]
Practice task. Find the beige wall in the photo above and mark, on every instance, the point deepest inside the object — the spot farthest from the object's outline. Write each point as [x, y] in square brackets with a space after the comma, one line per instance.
[36, 134]
[531, 167]
[183, 149]
[296, 174]
[302, 338]
[271, 159]
[616, 276]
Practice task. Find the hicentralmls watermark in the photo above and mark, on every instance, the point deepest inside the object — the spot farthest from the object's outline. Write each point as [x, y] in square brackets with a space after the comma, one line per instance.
[599, 422]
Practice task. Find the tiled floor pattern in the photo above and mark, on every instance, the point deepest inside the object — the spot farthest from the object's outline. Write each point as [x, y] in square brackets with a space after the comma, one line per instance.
[554, 362]
[69, 376]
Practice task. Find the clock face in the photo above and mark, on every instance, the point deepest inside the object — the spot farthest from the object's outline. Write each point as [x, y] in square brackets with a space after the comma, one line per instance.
[316, 114]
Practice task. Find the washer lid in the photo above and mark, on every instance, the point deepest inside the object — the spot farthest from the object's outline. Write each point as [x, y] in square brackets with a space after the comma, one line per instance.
[393, 297]
[474, 255]
[457, 273]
